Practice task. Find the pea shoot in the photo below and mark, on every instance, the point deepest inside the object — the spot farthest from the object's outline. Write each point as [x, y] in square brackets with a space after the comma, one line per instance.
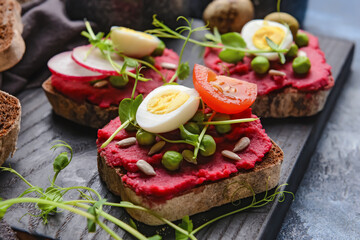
[104, 44]
[232, 44]
[90, 203]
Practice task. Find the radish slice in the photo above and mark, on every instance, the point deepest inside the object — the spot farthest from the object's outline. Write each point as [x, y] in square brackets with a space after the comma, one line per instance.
[96, 61]
[64, 66]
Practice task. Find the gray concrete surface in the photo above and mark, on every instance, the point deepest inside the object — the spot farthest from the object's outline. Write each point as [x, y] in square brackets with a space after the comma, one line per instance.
[327, 203]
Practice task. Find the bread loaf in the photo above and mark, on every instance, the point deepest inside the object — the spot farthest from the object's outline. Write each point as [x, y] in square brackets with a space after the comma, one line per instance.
[10, 114]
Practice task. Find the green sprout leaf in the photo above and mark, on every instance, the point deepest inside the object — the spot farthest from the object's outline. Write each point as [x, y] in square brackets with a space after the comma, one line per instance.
[3, 208]
[61, 161]
[233, 39]
[93, 210]
[132, 223]
[155, 237]
[188, 136]
[183, 70]
[185, 224]
[277, 49]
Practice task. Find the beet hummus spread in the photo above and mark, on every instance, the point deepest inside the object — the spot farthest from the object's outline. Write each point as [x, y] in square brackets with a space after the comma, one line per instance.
[81, 91]
[318, 78]
[167, 184]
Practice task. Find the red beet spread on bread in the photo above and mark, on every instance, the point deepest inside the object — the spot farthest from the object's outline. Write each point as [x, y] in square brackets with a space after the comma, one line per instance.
[104, 97]
[167, 184]
[318, 77]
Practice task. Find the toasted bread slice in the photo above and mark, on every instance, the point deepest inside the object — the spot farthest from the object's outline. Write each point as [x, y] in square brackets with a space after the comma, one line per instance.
[264, 176]
[10, 115]
[290, 102]
[82, 113]
[12, 45]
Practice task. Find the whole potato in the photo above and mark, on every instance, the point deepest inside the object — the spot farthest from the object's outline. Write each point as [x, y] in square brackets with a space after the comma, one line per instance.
[284, 18]
[228, 15]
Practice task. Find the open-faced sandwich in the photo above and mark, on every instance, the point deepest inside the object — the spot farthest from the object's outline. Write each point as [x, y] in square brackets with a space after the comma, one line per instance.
[291, 83]
[10, 115]
[88, 83]
[188, 150]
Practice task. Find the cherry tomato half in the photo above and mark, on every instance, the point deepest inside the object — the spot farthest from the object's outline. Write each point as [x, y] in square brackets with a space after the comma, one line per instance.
[223, 94]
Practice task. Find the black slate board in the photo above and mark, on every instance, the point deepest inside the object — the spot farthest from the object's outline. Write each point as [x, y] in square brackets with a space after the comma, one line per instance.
[40, 126]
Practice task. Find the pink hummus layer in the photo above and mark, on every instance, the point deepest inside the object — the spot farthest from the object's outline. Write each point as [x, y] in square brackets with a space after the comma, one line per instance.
[318, 78]
[81, 91]
[167, 184]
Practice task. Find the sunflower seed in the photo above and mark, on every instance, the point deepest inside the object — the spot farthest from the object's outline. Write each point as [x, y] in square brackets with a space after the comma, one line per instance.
[231, 155]
[168, 65]
[100, 84]
[126, 142]
[145, 167]
[189, 156]
[274, 72]
[241, 144]
[301, 54]
[156, 147]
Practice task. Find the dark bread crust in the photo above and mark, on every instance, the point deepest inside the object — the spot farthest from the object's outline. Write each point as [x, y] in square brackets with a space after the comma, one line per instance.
[264, 176]
[290, 102]
[83, 113]
[10, 115]
[12, 46]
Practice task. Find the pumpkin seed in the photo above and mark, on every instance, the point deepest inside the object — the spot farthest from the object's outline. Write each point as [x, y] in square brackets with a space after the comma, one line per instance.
[126, 142]
[156, 147]
[231, 155]
[145, 167]
[241, 144]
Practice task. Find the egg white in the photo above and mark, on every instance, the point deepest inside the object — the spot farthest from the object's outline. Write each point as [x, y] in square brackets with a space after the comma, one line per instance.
[160, 123]
[133, 43]
[251, 27]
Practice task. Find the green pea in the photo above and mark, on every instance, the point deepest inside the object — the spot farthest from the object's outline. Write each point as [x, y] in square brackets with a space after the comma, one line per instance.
[159, 50]
[118, 81]
[192, 127]
[198, 117]
[145, 138]
[149, 59]
[209, 145]
[301, 65]
[293, 51]
[301, 39]
[223, 128]
[171, 160]
[260, 64]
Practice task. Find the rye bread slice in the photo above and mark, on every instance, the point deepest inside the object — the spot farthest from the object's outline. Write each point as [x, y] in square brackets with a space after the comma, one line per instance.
[12, 45]
[264, 176]
[10, 115]
[290, 102]
[83, 113]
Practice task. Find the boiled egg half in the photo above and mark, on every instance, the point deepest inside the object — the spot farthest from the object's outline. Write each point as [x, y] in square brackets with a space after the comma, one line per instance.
[167, 107]
[255, 32]
[133, 43]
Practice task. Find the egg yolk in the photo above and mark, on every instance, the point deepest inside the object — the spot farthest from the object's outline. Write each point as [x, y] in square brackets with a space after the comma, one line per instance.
[131, 31]
[276, 34]
[167, 101]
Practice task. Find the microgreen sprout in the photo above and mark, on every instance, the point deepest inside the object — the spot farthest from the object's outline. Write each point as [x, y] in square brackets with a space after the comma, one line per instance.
[232, 43]
[104, 44]
[53, 198]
